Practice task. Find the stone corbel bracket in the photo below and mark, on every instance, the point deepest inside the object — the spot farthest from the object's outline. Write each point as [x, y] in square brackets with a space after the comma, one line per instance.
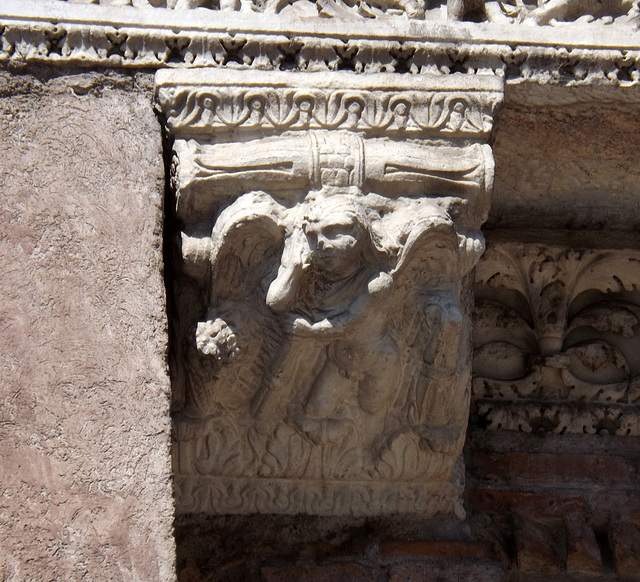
[330, 223]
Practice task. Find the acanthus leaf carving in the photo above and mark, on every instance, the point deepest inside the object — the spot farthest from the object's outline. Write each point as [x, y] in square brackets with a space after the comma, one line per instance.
[555, 323]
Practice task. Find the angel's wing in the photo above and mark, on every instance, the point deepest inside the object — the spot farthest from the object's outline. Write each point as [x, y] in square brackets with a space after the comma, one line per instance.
[246, 241]
[243, 251]
[428, 256]
[429, 330]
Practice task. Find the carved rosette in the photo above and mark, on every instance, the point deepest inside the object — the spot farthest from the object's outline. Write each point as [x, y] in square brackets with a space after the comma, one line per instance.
[329, 224]
[557, 338]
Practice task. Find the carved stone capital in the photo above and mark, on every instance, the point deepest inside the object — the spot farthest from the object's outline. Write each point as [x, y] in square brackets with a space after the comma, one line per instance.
[329, 226]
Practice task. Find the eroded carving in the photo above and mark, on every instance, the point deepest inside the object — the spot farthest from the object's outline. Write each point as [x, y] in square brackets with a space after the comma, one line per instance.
[326, 339]
[557, 324]
[559, 12]
[344, 9]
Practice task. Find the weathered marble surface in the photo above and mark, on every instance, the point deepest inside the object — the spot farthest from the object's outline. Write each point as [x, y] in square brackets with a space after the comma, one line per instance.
[85, 488]
[545, 12]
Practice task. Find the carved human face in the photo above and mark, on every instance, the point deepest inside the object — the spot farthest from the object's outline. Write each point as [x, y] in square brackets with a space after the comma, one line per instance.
[335, 242]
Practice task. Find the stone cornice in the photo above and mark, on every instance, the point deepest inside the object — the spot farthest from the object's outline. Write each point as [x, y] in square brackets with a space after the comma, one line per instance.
[398, 28]
[33, 31]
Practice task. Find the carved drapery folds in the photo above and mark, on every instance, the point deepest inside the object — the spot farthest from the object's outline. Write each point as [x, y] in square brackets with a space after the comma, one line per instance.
[329, 225]
[557, 338]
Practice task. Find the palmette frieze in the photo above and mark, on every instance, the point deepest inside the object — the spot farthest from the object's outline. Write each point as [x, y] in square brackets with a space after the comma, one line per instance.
[413, 113]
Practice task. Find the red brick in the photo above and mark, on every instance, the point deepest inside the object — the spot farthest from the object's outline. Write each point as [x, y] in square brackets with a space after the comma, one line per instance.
[526, 503]
[625, 541]
[445, 571]
[336, 572]
[439, 549]
[583, 552]
[552, 469]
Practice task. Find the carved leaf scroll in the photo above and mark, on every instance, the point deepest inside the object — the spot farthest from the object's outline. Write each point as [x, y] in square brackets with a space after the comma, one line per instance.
[554, 323]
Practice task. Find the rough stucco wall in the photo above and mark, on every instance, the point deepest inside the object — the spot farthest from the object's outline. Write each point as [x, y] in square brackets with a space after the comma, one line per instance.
[85, 482]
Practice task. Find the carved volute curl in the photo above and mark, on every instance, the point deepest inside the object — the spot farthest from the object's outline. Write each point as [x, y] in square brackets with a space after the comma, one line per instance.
[329, 225]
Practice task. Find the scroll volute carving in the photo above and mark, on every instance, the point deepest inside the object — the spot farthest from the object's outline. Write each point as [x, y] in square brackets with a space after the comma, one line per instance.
[323, 330]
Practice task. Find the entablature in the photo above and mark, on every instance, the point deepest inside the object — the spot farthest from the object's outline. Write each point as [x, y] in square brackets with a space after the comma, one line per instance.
[572, 53]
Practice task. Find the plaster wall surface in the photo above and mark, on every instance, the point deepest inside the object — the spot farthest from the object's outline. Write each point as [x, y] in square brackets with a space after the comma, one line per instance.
[85, 486]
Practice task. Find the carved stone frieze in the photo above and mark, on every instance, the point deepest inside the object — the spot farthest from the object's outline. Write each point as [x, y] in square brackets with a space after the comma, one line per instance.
[557, 338]
[329, 226]
[374, 105]
[140, 35]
